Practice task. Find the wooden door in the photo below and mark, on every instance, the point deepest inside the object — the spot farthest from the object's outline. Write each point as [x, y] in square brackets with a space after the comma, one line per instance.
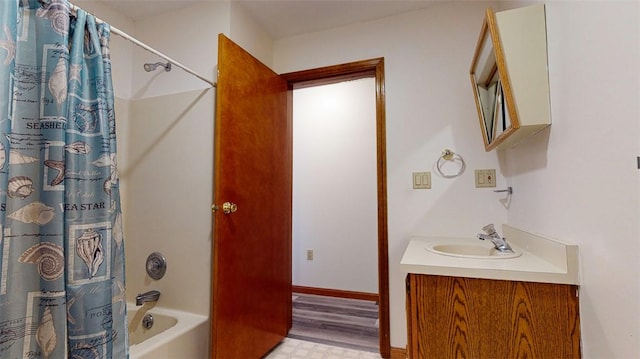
[251, 305]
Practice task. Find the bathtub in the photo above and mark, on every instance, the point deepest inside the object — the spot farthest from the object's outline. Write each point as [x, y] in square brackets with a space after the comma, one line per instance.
[174, 334]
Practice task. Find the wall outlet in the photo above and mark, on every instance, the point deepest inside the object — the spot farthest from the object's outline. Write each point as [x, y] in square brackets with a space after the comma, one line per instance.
[309, 254]
[421, 180]
[485, 178]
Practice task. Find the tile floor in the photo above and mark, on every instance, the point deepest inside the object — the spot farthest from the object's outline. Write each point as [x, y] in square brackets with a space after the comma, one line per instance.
[298, 349]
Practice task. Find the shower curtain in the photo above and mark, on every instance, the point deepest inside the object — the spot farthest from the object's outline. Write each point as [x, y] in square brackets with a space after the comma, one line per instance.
[61, 249]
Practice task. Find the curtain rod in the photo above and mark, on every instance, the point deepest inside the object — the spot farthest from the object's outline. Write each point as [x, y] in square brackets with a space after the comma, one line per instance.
[147, 47]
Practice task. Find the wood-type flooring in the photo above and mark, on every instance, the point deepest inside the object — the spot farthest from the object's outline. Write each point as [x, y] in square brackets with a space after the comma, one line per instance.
[341, 322]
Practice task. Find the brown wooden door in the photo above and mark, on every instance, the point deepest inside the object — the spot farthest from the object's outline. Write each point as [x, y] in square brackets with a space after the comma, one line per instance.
[251, 304]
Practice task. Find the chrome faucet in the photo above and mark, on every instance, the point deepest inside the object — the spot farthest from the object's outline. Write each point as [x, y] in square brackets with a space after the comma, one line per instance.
[150, 296]
[499, 243]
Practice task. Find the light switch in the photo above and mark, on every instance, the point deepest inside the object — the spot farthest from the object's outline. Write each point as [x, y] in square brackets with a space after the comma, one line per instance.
[421, 180]
[309, 254]
[485, 178]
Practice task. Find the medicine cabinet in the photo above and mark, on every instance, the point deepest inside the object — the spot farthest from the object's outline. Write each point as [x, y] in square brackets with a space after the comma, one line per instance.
[509, 76]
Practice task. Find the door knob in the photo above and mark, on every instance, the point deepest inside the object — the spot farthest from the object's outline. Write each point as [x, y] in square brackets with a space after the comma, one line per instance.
[227, 208]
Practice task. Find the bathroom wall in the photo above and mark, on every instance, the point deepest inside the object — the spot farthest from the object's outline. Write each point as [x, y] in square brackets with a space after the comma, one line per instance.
[250, 35]
[573, 182]
[165, 164]
[429, 107]
[189, 36]
[165, 138]
[171, 150]
[121, 49]
[170, 156]
[578, 180]
[122, 65]
[335, 186]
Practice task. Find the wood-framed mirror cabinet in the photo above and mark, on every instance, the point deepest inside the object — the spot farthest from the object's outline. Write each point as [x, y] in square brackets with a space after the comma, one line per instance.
[509, 76]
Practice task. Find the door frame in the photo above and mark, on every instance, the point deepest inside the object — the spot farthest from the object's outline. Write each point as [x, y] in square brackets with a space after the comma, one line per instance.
[353, 71]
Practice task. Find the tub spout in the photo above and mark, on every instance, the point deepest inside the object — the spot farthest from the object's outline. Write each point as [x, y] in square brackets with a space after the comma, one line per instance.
[150, 296]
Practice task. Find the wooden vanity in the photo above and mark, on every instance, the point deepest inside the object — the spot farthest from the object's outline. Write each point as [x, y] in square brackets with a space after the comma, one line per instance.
[457, 317]
[524, 307]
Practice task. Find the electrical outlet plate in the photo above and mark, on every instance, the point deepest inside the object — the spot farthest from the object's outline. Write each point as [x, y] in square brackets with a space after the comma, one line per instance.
[421, 180]
[309, 254]
[485, 178]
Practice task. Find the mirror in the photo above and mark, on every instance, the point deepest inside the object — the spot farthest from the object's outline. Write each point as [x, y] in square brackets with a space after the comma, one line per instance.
[509, 76]
[491, 87]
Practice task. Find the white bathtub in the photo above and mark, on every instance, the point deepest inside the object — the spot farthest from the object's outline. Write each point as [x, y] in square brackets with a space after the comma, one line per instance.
[174, 334]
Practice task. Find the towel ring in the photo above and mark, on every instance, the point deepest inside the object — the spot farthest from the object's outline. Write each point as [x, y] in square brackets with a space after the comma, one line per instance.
[450, 156]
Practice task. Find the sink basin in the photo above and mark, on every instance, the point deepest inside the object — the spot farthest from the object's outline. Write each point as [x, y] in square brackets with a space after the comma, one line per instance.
[469, 250]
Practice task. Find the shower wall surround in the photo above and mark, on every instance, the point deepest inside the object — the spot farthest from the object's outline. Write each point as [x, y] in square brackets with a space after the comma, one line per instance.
[170, 157]
[165, 128]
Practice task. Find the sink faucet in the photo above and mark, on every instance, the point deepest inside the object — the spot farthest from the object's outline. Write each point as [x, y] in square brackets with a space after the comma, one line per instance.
[499, 242]
[150, 296]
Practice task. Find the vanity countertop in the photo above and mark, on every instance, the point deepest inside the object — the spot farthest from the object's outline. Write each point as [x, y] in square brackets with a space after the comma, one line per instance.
[543, 259]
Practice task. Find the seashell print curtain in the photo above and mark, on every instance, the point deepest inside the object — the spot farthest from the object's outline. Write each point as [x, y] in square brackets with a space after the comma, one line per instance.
[61, 245]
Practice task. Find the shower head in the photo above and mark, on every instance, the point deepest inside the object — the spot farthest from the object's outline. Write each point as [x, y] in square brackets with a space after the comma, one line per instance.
[150, 67]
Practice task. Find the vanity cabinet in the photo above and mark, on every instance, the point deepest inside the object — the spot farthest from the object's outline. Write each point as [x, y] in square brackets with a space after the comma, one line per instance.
[456, 317]
[509, 76]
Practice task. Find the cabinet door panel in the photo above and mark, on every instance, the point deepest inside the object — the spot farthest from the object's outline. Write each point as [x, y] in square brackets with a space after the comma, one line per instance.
[454, 317]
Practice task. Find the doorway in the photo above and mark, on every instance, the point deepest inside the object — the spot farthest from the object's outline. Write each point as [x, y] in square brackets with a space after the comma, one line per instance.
[334, 215]
[253, 153]
[355, 71]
